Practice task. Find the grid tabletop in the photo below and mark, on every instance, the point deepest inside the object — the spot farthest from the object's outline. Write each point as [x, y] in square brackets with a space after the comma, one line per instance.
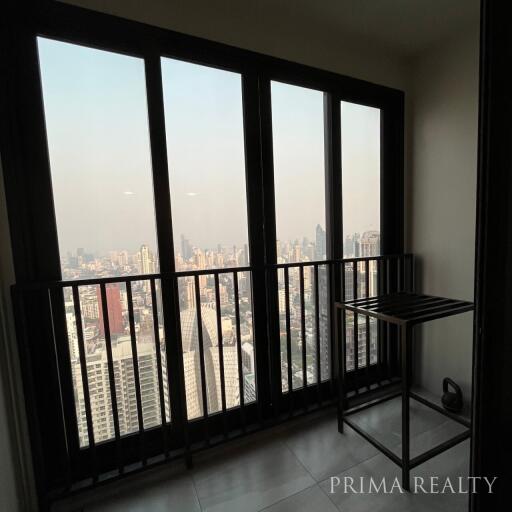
[406, 308]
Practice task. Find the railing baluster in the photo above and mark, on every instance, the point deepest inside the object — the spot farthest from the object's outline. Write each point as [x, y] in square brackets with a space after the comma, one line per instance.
[380, 325]
[317, 337]
[221, 354]
[288, 338]
[111, 375]
[239, 351]
[85, 380]
[343, 283]
[303, 336]
[136, 375]
[367, 352]
[332, 295]
[201, 359]
[355, 295]
[367, 277]
[367, 294]
[156, 334]
[388, 325]
[57, 359]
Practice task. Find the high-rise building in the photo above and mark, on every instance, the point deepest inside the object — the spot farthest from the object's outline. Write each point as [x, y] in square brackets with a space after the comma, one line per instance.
[99, 390]
[147, 261]
[348, 250]
[191, 362]
[321, 244]
[114, 308]
[186, 248]
[370, 244]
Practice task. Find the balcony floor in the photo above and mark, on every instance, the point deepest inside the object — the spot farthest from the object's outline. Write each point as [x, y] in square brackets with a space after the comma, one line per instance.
[288, 468]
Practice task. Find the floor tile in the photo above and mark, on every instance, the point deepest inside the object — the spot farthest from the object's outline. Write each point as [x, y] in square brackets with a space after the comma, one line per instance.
[377, 467]
[250, 479]
[312, 499]
[275, 471]
[384, 421]
[452, 463]
[323, 450]
[431, 438]
[176, 493]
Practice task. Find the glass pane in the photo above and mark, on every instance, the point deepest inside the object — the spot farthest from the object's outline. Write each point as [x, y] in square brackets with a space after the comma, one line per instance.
[360, 150]
[97, 127]
[360, 153]
[212, 349]
[205, 145]
[299, 174]
[96, 121]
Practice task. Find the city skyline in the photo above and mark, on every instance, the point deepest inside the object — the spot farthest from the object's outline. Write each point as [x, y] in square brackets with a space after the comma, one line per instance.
[100, 157]
[309, 247]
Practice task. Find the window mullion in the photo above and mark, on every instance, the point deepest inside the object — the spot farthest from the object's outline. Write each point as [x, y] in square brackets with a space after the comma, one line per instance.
[170, 303]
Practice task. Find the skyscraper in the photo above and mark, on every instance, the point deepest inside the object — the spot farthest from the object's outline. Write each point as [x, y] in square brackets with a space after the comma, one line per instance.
[320, 250]
[186, 248]
[114, 308]
[147, 261]
[191, 362]
[370, 243]
[99, 390]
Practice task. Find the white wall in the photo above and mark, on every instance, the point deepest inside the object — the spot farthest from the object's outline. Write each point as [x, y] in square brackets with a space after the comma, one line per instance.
[443, 123]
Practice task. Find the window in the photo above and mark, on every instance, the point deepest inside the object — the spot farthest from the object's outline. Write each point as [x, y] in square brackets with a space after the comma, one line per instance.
[361, 175]
[112, 119]
[97, 129]
[360, 153]
[205, 144]
[299, 174]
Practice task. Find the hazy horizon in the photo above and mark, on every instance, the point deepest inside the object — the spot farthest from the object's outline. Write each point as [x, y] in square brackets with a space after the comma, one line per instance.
[97, 126]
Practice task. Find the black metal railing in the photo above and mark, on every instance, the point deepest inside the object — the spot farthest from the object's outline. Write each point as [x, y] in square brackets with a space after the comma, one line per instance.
[153, 367]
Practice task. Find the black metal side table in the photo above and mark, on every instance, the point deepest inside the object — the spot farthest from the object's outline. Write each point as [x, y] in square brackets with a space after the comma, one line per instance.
[404, 310]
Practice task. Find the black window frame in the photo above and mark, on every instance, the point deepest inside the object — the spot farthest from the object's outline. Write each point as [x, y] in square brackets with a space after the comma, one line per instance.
[29, 190]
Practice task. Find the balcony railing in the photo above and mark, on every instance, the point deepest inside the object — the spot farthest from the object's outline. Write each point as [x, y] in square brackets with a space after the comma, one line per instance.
[154, 367]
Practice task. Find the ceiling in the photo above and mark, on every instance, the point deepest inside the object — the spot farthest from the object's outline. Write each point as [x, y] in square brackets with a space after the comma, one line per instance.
[405, 27]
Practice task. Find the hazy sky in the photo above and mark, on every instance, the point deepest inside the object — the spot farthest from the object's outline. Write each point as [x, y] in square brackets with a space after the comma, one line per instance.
[96, 117]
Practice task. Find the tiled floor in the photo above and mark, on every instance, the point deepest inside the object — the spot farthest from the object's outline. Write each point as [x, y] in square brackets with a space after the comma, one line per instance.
[289, 469]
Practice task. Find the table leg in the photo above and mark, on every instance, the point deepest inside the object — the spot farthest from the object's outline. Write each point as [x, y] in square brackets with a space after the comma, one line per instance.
[405, 348]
